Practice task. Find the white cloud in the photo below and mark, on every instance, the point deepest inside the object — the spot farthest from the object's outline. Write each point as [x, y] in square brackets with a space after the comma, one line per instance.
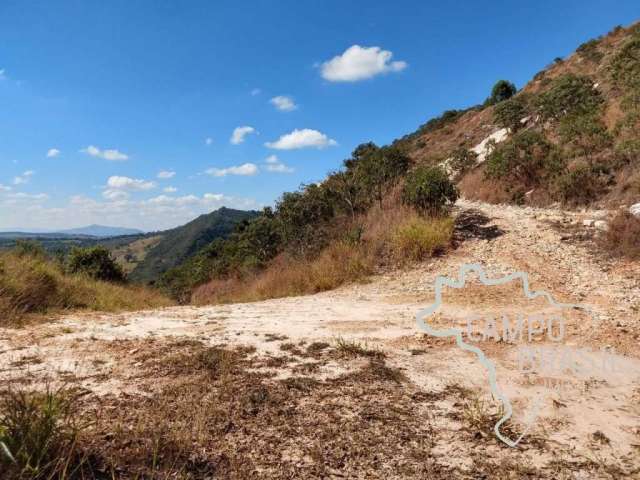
[112, 155]
[208, 141]
[53, 152]
[26, 197]
[4, 188]
[164, 174]
[255, 91]
[305, 138]
[115, 195]
[31, 211]
[244, 169]
[237, 137]
[24, 178]
[283, 103]
[360, 63]
[169, 189]
[273, 164]
[3, 75]
[213, 197]
[129, 184]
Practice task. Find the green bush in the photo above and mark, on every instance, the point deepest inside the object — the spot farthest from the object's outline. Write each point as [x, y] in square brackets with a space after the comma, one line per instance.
[502, 90]
[584, 134]
[30, 248]
[508, 114]
[589, 50]
[524, 160]
[95, 262]
[568, 95]
[462, 160]
[625, 65]
[581, 185]
[429, 190]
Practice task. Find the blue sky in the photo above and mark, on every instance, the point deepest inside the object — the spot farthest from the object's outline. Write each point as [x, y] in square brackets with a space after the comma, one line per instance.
[98, 98]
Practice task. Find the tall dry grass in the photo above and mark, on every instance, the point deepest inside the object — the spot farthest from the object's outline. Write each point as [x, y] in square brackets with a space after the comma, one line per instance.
[391, 237]
[33, 285]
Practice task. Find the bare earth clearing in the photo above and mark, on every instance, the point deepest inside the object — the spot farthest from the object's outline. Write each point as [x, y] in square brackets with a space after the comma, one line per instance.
[405, 405]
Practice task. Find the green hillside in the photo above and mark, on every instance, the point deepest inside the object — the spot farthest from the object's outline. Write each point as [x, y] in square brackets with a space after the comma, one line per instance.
[181, 243]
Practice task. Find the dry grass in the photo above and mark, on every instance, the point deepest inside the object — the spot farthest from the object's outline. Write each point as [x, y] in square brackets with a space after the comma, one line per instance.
[623, 236]
[475, 186]
[392, 236]
[32, 285]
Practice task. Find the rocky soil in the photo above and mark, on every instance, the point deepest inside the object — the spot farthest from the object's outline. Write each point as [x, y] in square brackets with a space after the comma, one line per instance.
[375, 371]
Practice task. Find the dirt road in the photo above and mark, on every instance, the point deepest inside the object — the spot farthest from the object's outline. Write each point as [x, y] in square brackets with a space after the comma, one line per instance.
[590, 428]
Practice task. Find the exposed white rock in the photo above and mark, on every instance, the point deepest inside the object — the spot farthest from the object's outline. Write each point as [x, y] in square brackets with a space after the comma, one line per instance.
[635, 210]
[482, 149]
[601, 225]
[587, 223]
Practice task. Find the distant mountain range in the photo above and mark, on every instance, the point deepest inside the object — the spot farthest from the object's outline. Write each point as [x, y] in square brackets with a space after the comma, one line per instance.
[99, 231]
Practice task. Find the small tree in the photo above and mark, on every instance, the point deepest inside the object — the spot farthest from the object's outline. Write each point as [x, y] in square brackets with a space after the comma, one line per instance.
[95, 262]
[462, 160]
[508, 114]
[501, 91]
[429, 190]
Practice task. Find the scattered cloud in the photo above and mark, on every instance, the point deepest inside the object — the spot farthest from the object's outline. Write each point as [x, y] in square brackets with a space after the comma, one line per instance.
[115, 195]
[128, 184]
[21, 197]
[273, 164]
[237, 137]
[305, 138]
[164, 174]
[3, 75]
[244, 169]
[53, 152]
[359, 63]
[255, 91]
[157, 213]
[283, 103]
[208, 141]
[5, 188]
[112, 155]
[169, 189]
[24, 178]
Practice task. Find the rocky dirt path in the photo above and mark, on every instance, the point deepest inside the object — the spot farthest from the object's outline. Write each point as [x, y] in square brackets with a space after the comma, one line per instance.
[596, 417]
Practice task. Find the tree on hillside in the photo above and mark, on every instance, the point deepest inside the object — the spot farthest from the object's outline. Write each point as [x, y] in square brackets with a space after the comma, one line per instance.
[501, 91]
[429, 190]
[95, 262]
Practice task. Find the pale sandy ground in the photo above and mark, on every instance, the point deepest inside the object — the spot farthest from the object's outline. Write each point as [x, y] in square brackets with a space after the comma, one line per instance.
[382, 314]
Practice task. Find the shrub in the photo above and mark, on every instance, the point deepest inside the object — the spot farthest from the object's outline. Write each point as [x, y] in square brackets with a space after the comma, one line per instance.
[462, 160]
[623, 236]
[420, 238]
[589, 50]
[429, 190]
[96, 262]
[30, 248]
[629, 150]
[584, 134]
[569, 94]
[525, 160]
[581, 185]
[508, 114]
[502, 90]
[625, 65]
